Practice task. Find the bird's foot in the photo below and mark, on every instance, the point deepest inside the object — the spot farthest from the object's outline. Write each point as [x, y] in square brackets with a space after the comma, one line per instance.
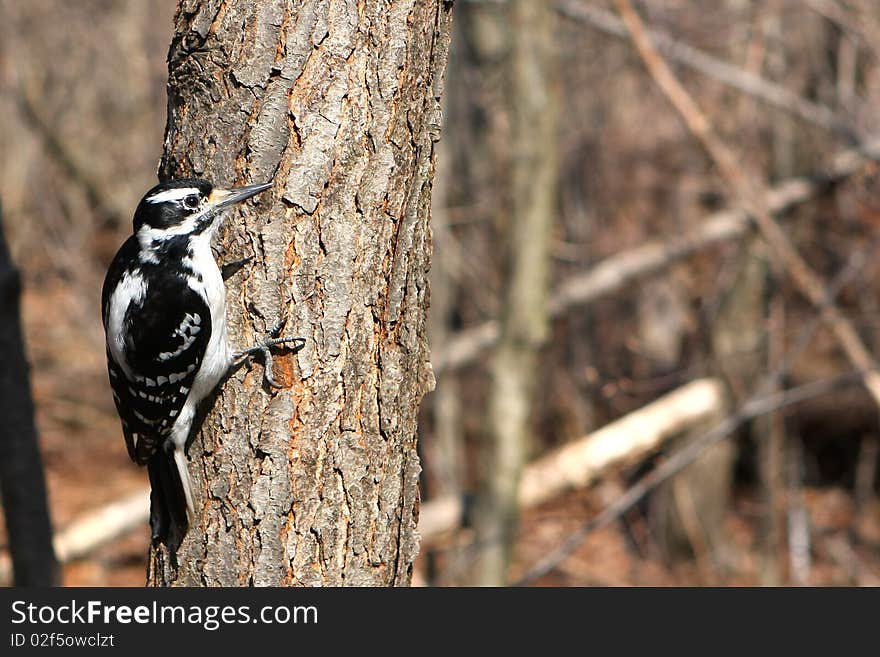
[264, 347]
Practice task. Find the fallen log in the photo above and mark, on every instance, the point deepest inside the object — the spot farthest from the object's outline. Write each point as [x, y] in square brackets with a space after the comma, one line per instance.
[95, 529]
[574, 465]
[582, 461]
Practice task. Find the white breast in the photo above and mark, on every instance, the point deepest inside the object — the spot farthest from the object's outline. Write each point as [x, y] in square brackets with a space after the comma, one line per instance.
[218, 355]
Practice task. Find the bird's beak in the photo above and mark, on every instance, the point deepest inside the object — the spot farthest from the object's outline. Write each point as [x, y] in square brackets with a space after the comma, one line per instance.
[223, 198]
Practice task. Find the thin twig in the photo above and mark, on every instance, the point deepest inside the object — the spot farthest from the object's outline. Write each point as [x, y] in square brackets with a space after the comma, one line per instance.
[681, 459]
[809, 284]
[834, 13]
[750, 409]
[579, 462]
[623, 268]
[61, 153]
[744, 81]
[95, 528]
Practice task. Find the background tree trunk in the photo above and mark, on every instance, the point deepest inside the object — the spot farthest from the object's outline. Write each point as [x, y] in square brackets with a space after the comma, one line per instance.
[22, 484]
[524, 322]
[339, 104]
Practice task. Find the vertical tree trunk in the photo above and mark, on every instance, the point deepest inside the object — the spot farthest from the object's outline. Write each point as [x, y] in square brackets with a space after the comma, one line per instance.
[769, 432]
[22, 483]
[689, 511]
[338, 103]
[524, 322]
[446, 453]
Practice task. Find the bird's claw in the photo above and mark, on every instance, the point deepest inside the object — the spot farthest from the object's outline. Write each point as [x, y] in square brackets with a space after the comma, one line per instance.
[264, 347]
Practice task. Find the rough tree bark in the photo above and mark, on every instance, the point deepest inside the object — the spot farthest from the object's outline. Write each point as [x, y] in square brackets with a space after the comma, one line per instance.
[22, 483]
[338, 103]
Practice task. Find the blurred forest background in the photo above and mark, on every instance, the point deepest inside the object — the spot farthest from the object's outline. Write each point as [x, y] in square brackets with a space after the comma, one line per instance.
[670, 321]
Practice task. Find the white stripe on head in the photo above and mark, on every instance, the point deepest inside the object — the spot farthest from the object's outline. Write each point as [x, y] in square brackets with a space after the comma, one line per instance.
[147, 235]
[172, 194]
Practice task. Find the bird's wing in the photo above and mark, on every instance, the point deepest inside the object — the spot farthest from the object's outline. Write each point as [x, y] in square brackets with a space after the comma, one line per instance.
[165, 337]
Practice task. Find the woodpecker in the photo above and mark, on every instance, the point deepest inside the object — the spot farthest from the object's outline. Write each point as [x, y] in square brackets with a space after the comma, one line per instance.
[164, 314]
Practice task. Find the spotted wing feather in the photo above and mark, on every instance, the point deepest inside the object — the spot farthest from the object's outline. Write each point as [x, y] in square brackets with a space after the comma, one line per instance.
[165, 340]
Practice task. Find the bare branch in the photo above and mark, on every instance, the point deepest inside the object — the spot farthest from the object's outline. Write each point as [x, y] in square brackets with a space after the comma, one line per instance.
[623, 268]
[580, 462]
[809, 284]
[744, 81]
[61, 153]
[680, 460]
[96, 528]
[758, 404]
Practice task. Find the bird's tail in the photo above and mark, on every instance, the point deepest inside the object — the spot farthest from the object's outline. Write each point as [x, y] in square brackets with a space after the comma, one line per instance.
[171, 502]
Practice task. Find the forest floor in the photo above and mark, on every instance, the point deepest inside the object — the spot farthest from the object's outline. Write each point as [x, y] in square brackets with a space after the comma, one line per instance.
[87, 467]
[844, 544]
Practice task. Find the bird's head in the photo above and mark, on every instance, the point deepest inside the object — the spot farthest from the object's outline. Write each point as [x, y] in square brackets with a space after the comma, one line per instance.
[185, 207]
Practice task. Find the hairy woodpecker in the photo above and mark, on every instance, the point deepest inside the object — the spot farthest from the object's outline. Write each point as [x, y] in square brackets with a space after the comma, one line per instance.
[164, 312]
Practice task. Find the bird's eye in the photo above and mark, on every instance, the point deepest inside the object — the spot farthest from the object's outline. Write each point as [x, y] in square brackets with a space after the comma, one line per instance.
[191, 201]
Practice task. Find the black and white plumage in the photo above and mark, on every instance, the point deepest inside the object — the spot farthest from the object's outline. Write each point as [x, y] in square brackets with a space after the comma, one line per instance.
[164, 313]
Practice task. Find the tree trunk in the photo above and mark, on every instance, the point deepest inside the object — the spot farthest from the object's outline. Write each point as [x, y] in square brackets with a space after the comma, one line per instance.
[689, 511]
[338, 103]
[525, 321]
[22, 484]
